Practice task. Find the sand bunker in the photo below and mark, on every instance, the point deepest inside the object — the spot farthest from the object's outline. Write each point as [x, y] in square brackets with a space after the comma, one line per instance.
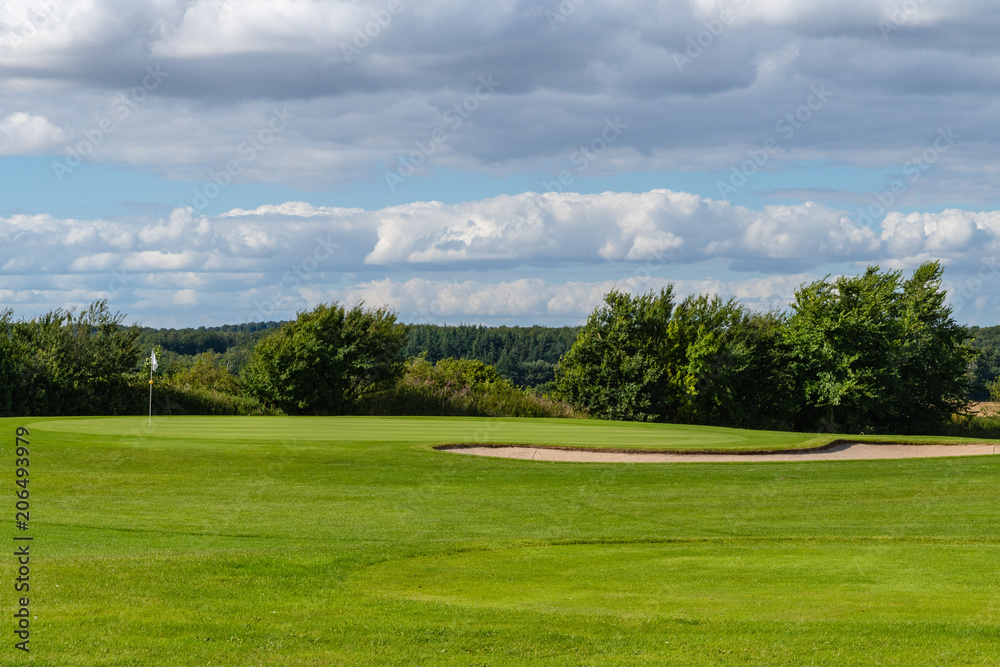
[838, 452]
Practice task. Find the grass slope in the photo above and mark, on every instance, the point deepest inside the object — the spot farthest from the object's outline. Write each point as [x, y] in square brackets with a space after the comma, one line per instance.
[297, 541]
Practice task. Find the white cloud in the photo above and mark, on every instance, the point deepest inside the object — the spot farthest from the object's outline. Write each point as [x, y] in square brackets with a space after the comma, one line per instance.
[533, 300]
[949, 234]
[24, 134]
[225, 27]
[547, 256]
[613, 226]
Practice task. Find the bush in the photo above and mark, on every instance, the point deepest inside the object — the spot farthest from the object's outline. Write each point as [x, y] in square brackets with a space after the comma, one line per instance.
[461, 387]
[206, 373]
[64, 363]
[170, 400]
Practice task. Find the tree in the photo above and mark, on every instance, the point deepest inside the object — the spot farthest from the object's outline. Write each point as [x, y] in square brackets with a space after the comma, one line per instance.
[986, 368]
[73, 363]
[877, 352]
[10, 362]
[616, 368]
[327, 359]
[726, 364]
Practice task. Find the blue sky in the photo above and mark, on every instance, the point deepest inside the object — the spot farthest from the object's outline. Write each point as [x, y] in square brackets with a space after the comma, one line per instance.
[218, 161]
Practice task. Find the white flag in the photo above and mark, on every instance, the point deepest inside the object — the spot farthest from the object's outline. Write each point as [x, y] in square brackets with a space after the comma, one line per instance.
[154, 360]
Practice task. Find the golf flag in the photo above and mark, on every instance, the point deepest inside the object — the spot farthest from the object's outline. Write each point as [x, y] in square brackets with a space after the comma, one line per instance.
[152, 367]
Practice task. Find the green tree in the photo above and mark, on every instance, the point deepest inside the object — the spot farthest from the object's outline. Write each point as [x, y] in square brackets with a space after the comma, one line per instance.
[75, 363]
[986, 368]
[726, 364]
[10, 363]
[327, 359]
[617, 366]
[206, 373]
[877, 352]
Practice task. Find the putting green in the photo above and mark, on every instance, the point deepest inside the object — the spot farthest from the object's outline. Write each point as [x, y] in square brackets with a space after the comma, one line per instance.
[429, 430]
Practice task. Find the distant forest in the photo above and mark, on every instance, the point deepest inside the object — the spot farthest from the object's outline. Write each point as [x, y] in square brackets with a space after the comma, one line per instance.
[526, 356]
[232, 343]
[986, 368]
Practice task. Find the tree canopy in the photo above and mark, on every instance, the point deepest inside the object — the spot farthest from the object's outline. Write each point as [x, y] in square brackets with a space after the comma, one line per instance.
[874, 352]
[67, 362]
[878, 352]
[327, 359]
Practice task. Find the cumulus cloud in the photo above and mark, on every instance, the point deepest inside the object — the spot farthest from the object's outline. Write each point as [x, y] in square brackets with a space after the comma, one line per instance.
[24, 134]
[614, 226]
[268, 262]
[422, 300]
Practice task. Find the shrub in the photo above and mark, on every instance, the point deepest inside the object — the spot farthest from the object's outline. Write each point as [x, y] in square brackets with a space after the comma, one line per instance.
[461, 387]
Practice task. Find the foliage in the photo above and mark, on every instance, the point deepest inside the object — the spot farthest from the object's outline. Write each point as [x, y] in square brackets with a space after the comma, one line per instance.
[618, 366]
[461, 387]
[868, 353]
[197, 400]
[10, 360]
[70, 363]
[728, 365]
[986, 367]
[527, 356]
[233, 344]
[707, 361]
[206, 373]
[876, 352]
[326, 360]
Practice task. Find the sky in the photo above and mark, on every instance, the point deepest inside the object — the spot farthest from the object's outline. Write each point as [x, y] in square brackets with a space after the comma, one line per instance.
[209, 162]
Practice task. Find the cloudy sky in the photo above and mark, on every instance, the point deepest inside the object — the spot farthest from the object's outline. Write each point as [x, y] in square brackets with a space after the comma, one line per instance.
[202, 162]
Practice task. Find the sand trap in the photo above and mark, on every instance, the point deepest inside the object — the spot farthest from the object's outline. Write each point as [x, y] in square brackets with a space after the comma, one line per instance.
[838, 452]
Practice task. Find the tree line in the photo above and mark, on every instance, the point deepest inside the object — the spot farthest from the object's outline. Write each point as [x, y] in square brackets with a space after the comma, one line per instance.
[874, 352]
[871, 353]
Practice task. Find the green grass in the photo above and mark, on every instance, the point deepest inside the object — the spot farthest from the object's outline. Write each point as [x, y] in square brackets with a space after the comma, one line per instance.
[329, 541]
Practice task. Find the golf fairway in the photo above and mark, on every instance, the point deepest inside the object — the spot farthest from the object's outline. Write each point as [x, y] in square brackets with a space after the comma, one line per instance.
[351, 541]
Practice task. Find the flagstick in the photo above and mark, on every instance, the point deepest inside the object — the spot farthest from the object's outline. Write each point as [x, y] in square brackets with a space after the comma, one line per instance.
[150, 396]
